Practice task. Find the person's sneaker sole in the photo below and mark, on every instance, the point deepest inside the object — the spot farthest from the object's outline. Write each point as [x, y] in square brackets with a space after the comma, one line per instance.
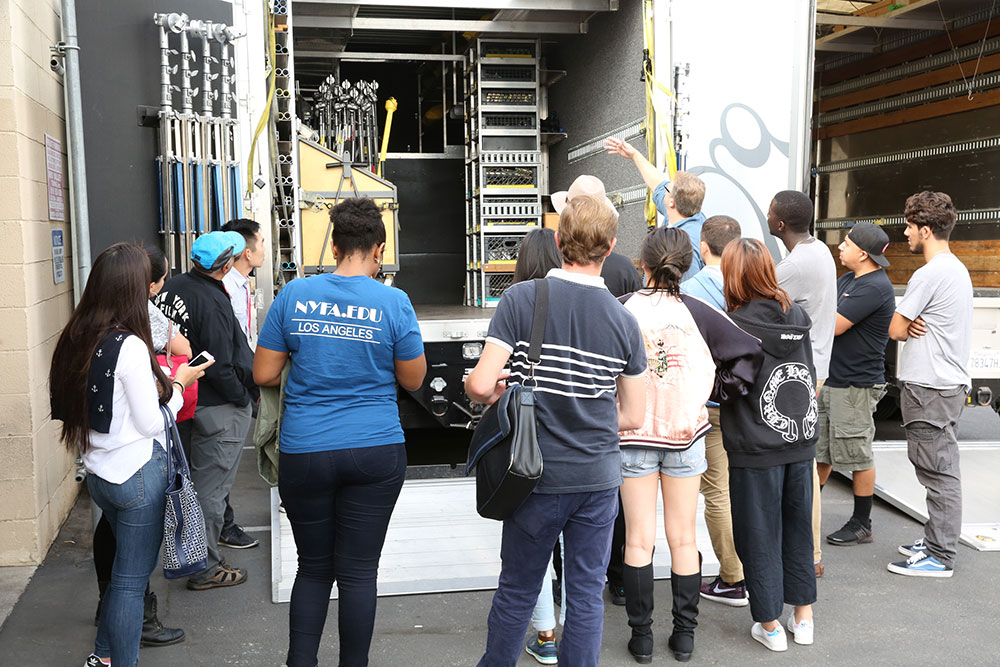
[903, 549]
[223, 543]
[910, 572]
[729, 602]
[850, 543]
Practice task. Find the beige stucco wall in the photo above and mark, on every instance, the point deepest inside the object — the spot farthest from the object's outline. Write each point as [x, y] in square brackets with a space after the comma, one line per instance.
[37, 487]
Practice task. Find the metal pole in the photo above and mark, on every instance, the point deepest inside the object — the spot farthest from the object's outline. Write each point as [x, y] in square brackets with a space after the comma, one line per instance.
[167, 23]
[186, 115]
[80, 218]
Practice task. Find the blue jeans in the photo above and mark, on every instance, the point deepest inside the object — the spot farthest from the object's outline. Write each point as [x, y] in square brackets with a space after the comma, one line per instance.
[135, 511]
[339, 503]
[586, 521]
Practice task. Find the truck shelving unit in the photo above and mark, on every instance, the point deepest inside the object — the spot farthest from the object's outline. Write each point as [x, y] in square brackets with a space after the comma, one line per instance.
[503, 161]
[284, 159]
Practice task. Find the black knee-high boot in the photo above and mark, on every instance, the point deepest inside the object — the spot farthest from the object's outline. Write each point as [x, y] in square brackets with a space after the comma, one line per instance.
[686, 589]
[638, 584]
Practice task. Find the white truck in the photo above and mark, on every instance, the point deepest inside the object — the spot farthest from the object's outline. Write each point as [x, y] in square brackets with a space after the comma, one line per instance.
[749, 100]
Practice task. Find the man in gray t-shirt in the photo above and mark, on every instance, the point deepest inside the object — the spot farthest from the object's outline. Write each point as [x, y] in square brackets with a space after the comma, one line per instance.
[809, 276]
[934, 323]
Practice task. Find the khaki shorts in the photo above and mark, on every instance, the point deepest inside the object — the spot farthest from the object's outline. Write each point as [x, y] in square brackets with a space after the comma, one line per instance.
[846, 427]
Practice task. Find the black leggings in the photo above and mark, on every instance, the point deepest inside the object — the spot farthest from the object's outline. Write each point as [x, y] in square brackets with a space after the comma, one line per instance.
[339, 503]
[105, 548]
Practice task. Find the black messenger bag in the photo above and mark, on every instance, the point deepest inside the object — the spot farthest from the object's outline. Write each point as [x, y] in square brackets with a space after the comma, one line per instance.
[504, 448]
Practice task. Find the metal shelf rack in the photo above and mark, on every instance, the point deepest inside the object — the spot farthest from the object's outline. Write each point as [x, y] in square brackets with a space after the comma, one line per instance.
[503, 161]
[284, 153]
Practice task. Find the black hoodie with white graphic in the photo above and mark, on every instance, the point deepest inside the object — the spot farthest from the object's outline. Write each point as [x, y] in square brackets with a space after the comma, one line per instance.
[775, 423]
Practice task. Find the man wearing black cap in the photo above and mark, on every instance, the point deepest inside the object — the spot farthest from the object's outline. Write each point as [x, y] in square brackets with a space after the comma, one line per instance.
[198, 303]
[865, 305]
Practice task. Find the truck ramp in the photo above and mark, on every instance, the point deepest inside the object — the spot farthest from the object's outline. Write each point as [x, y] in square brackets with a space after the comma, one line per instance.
[897, 484]
[437, 543]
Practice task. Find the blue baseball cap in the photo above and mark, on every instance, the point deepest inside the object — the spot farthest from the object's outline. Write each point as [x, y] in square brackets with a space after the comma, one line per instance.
[211, 251]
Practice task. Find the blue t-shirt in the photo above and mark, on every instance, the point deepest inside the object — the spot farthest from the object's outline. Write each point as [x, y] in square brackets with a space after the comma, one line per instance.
[342, 333]
[707, 286]
[692, 226]
[590, 339]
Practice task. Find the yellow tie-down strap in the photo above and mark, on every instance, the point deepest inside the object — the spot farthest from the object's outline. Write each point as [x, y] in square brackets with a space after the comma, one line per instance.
[654, 109]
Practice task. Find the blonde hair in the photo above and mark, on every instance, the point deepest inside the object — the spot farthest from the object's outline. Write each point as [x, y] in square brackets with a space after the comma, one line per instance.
[688, 192]
[587, 226]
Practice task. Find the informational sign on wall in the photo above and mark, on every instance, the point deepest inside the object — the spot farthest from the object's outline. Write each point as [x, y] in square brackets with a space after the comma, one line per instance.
[58, 257]
[54, 179]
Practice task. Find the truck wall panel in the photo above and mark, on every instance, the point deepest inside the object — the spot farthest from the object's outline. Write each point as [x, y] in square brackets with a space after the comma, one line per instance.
[431, 228]
[601, 91]
[120, 70]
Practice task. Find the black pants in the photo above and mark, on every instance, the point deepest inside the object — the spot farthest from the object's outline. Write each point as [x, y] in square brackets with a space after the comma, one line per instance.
[772, 528]
[339, 503]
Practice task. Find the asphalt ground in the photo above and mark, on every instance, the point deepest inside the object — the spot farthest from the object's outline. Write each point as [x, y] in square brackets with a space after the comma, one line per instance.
[864, 615]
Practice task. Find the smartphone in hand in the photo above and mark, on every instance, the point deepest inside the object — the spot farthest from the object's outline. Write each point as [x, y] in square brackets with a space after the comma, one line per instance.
[202, 357]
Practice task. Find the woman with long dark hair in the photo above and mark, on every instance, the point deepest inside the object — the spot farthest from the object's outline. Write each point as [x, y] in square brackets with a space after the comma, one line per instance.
[770, 436]
[342, 460]
[107, 389]
[685, 339]
[165, 337]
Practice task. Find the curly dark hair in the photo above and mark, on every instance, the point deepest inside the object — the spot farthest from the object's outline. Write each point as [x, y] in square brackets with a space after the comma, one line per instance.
[667, 253]
[934, 210]
[357, 226]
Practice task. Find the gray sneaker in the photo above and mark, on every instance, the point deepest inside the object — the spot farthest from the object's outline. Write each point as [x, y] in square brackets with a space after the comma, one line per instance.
[236, 538]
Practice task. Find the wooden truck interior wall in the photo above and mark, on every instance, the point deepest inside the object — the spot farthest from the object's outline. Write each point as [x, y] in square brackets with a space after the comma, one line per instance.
[902, 121]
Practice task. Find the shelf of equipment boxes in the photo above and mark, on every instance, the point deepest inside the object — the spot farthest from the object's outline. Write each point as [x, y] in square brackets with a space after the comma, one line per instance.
[198, 166]
[503, 161]
[283, 148]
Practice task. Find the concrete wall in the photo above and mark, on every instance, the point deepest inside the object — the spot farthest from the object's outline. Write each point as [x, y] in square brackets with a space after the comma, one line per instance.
[36, 472]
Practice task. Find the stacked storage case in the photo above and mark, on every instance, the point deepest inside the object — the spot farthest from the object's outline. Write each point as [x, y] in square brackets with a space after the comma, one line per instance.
[503, 162]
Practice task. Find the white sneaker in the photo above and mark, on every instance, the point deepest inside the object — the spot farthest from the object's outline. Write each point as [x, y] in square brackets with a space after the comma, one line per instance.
[776, 641]
[802, 632]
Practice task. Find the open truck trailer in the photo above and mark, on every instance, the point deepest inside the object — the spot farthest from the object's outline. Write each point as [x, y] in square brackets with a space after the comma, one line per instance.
[498, 104]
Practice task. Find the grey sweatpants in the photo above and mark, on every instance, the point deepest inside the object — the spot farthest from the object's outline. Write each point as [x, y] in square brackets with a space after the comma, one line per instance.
[930, 417]
[217, 435]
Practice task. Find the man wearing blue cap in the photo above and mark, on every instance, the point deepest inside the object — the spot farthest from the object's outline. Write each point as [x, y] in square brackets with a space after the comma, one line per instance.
[198, 303]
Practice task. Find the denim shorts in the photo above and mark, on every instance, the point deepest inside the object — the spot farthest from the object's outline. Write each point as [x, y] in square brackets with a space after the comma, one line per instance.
[639, 462]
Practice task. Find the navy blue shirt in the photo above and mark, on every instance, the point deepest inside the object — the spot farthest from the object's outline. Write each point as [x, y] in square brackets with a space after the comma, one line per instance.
[590, 339]
[858, 356]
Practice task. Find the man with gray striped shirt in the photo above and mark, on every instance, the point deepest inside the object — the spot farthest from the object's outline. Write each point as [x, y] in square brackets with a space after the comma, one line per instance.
[589, 386]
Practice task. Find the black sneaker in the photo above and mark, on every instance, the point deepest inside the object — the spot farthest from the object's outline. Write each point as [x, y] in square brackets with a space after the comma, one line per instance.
[94, 661]
[617, 594]
[236, 538]
[852, 533]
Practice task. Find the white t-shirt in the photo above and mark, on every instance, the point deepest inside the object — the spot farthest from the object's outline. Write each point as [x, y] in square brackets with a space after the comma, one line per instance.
[940, 292]
[809, 275]
[136, 420]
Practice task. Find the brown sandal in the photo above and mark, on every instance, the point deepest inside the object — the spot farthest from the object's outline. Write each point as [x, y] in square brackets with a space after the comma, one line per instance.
[223, 576]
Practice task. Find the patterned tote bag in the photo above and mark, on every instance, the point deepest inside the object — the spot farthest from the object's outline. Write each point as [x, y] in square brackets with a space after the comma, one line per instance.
[185, 548]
